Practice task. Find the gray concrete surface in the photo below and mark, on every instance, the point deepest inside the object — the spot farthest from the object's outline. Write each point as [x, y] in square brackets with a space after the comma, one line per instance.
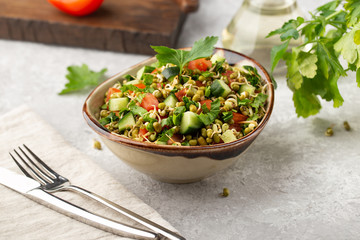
[292, 183]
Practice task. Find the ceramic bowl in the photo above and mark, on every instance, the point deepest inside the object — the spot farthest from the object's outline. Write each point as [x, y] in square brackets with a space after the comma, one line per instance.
[174, 164]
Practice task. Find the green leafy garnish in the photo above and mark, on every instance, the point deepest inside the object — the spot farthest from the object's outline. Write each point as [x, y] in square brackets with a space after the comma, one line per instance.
[227, 116]
[177, 115]
[109, 119]
[210, 117]
[201, 48]
[166, 135]
[313, 68]
[81, 77]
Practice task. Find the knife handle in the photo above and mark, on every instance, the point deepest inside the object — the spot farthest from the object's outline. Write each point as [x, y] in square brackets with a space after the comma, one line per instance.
[145, 222]
[87, 217]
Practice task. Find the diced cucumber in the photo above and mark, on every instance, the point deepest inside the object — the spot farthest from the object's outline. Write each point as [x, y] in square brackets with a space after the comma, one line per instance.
[161, 143]
[170, 72]
[248, 88]
[190, 123]
[144, 69]
[228, 136]
[217, 58]
[116, 104]
[133, 82]
[171, 100]
[220, 89]
[126, 122]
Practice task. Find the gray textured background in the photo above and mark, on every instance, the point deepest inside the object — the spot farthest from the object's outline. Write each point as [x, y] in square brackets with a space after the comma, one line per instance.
[292, 183]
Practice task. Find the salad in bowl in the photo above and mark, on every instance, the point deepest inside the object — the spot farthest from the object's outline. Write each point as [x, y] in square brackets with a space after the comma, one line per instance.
[203, 102]
[183, 114]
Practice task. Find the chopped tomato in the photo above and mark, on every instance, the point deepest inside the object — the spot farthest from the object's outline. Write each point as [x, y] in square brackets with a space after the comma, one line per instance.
[140, 85]
[199, 83]
[202, 64]
[238, 117]
[142, 132]
[235, 126]
[207, 102]
[149, 101]
[77, 7]
[180, 94]
[159, 85]
[111, 91]
[175, 138]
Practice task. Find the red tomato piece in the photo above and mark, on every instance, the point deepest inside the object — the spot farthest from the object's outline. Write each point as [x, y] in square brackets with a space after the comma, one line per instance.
[207, 102]
[235, 126]
[202, 64]
[142, 132]
[149, 101]
[111, 91]
[140, 85]
[180, 94]
[199, 83]
[77, 7]
[238, 117]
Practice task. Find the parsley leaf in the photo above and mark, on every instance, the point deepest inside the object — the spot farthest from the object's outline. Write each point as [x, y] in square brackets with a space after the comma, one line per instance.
[177, 115]
[81, 77]
[166, 135]
[314, 68]
[202, 48]
[210, 117]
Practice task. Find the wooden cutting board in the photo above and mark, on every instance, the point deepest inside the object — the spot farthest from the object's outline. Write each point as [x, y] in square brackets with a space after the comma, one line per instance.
[118, 25]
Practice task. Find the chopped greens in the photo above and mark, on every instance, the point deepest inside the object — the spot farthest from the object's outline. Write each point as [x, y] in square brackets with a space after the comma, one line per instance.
[190, 99]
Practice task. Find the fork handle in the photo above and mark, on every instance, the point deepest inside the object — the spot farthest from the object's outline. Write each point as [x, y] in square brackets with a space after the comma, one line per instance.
[145, 222]
[87, 217]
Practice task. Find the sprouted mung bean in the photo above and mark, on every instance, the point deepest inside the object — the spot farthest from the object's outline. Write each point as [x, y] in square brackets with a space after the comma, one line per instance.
[207, 102]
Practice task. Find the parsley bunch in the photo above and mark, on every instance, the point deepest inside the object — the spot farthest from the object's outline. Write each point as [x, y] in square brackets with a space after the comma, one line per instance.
[313, 68]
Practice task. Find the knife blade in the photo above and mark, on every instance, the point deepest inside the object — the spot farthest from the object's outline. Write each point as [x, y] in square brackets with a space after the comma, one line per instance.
[32, 189]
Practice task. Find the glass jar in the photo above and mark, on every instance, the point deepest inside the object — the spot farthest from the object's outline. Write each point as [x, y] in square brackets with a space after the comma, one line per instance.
[247, 31]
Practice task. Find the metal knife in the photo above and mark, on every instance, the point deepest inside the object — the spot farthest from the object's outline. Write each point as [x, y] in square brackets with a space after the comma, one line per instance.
[31, 189]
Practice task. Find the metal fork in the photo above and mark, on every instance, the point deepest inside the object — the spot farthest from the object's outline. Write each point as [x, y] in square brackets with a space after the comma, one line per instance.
[51, 182]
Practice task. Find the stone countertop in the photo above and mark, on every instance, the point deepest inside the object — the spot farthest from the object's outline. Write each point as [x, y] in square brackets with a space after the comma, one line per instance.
[292, 183]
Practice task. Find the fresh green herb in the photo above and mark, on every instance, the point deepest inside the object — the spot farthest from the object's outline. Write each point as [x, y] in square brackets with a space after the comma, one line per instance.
[259, 100]
[128, 77]
[188, 103]
[148, 79]
[201, 48]
[210, 117]
[167, 121]
[227, 116]
[313, 68]
[81, 77]
[109, 119]
[204, 108]
[166, 135]
[252, 75]
[177, 115]
[136, 110]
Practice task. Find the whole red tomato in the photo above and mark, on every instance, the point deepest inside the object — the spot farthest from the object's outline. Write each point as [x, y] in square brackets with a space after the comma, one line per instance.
[77, 7]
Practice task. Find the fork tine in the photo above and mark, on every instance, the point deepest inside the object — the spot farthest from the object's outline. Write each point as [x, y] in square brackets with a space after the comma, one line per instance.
[35, 174]
[54, 174]
[37, 169]
[21, 167]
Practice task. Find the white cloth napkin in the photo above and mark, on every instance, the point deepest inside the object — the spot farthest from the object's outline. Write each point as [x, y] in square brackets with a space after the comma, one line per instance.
[22, 218]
